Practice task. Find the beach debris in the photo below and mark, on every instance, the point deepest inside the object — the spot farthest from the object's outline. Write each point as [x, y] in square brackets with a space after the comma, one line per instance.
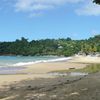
[74, 93]
[53, 96]
[72, 68]
[30, 87]
[84, 89]
[12, 88]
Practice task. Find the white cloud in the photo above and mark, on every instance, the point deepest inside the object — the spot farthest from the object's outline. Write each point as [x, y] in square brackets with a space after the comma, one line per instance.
[89, 8]
[35, 14]
[38, 7]
[32, 6]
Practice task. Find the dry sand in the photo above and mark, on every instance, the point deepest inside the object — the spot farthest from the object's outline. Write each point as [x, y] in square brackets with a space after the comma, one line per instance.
[40, 69]
[86, 59]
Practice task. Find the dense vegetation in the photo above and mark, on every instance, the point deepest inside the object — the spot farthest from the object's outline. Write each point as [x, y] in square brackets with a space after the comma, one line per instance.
[66, 47]
[96, 1]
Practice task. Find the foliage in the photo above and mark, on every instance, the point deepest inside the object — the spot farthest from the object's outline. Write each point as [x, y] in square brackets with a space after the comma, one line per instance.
[60, 47]
[96, 1]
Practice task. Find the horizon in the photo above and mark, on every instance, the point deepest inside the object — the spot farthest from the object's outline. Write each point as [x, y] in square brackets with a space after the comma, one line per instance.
[35, 20]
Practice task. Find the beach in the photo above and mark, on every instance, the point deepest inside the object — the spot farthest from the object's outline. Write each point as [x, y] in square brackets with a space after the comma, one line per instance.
[60, 88]
[86, 59]
[37, 70]
[31, 73]
[49, 50]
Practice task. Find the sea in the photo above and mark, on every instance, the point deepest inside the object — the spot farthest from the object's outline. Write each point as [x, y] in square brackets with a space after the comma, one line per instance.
[11, 64]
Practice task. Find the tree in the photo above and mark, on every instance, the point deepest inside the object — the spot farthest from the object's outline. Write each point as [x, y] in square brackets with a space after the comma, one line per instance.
[65, 47]
[68, 39]
[96, 1]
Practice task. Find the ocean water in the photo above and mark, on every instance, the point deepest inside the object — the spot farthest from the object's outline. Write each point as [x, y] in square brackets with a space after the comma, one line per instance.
[11, 64]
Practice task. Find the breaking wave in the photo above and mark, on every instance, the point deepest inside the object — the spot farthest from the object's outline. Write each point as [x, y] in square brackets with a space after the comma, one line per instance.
[42, 61]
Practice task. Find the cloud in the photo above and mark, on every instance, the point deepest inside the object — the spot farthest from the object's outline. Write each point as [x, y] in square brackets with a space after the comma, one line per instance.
[39, 7]
[33, 6]
[89, 9]
[36, 14]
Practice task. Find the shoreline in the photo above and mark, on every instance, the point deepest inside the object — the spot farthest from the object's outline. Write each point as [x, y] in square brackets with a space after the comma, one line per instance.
[35, 71]
[40, 70]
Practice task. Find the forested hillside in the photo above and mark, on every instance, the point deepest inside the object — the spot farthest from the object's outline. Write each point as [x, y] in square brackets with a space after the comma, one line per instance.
[66, 47]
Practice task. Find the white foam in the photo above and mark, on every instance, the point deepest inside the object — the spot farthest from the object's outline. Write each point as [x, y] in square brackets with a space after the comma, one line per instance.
[78, 74]
[42, 61]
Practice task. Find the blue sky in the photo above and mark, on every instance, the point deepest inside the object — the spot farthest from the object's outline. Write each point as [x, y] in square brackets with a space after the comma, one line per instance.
[40, 19]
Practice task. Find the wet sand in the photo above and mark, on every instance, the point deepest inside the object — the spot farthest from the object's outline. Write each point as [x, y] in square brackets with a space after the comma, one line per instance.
[34, 82]
[38, 70]
[60, 88]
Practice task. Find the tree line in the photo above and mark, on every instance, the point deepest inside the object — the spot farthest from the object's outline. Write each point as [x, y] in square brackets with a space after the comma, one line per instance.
[60, 47]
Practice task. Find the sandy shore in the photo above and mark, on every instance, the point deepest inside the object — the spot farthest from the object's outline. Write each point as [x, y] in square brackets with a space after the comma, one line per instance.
[39, 70]
[86, 59]
[12, 79]
[61, 88]
[42, 68]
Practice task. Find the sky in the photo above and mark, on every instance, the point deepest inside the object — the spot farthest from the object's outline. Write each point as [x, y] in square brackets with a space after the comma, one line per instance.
[41, 19]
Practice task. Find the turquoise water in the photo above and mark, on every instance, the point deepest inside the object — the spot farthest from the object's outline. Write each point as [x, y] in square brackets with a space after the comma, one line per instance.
[12, 64]
[6, 61]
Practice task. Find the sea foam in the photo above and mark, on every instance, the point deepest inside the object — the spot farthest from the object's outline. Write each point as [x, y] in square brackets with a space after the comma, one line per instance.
[42, 61]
